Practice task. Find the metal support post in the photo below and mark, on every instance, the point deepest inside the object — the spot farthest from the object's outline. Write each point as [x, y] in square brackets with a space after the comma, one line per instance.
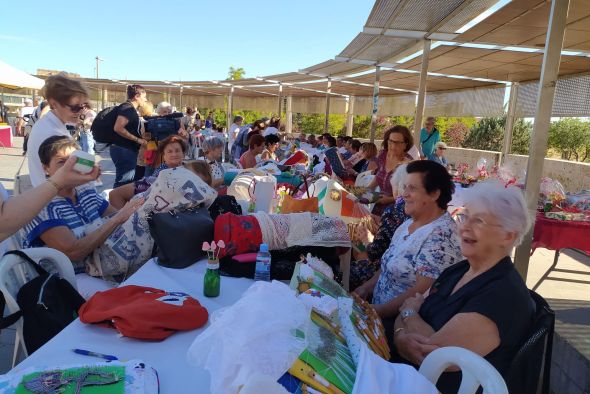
[538, 148]
[327, 117]
[510, 117]
[280, 99]
[289, 120]
[421, 94]
[375, 102]
[349, 115]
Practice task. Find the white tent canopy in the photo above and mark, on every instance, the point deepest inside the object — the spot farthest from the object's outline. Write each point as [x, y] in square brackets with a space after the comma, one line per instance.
[13, 78]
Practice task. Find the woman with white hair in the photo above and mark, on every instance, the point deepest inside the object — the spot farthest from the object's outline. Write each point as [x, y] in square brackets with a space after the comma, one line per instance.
[367, 262]
[481, 304]
[213, 149]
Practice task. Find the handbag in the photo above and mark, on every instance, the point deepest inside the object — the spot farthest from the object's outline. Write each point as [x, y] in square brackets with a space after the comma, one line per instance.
[179, 235]
[292, 205]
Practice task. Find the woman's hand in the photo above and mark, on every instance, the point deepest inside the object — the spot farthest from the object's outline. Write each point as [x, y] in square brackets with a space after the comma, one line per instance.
[362, 234]
[413, 347]
[413, 303]
[364, 291]
[67, 177]
[125, 213]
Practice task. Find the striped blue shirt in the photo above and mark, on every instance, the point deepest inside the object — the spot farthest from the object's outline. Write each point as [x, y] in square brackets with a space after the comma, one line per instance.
[81, 218]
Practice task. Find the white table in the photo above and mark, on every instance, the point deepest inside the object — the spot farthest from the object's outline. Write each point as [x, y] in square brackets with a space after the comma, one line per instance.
[167, 356]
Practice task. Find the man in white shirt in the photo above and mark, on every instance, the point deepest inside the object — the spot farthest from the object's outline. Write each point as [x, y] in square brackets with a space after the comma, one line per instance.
[233, 130]
[23, 115]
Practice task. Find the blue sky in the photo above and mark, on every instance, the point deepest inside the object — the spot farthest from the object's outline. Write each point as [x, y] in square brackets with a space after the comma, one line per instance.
[177, 40]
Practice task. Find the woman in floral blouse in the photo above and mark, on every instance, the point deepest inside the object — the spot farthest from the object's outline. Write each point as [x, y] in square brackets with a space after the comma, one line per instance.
[422, 247]
[367, 263]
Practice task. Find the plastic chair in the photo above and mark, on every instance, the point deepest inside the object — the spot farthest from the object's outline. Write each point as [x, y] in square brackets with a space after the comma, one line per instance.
[14, 273]
[476, 371]
[530, 368]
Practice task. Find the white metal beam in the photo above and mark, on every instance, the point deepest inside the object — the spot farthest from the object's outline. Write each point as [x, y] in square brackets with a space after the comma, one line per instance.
[538, 148]
[289, 125]
[327, 117]
[349, 115]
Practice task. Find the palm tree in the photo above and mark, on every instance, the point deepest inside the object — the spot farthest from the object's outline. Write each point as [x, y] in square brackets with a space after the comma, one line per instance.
[235, 73]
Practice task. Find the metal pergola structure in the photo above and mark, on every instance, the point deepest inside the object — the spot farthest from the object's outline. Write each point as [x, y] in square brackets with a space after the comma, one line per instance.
[436, 56]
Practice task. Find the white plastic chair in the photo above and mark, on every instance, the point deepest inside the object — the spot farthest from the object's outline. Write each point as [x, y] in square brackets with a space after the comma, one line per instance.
[475, 369]
[14, 273]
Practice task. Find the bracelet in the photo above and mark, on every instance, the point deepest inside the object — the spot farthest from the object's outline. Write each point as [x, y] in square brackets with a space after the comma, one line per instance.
[52, 182]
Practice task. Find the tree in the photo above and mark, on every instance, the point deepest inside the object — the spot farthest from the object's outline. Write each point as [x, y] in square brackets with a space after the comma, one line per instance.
[521, 137]
[456, 134]
[571, 137]
[235, 73]
[487, 134]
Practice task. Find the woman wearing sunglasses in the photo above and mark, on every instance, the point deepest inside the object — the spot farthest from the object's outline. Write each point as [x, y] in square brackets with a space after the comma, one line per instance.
[67, 98]
[439, 154]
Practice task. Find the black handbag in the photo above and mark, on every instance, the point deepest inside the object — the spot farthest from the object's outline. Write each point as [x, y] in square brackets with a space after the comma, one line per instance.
[179, 235]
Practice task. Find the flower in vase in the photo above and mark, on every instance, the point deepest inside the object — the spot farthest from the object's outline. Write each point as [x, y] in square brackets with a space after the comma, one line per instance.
[206, 247]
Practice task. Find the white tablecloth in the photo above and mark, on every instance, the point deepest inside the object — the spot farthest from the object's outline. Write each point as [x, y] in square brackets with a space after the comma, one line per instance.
[168, 356]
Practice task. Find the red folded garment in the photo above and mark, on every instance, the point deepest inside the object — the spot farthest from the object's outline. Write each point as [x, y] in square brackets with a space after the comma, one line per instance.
[144, 312]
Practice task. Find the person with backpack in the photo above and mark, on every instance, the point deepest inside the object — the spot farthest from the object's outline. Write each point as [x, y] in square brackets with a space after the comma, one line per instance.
[127, 138]
[67, 98]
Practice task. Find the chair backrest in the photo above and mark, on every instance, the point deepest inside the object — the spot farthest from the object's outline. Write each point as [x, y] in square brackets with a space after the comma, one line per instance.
[476, 371]
[530, 367]
[14, 272]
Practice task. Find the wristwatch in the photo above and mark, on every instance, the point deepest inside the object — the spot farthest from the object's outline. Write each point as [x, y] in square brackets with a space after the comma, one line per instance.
[407, 313]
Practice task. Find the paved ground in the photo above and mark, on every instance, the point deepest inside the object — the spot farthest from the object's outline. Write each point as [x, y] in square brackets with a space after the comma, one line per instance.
[572, 288]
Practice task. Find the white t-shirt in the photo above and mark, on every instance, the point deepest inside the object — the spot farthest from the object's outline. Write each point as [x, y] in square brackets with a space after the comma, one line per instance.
[234, 129]
[25, 111]
[46, 127]
[270, 130]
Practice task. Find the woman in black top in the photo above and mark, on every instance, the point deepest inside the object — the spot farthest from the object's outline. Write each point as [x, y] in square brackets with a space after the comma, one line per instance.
[481, 303]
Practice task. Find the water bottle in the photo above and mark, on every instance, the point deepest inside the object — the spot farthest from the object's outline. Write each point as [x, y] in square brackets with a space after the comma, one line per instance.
[263, 264]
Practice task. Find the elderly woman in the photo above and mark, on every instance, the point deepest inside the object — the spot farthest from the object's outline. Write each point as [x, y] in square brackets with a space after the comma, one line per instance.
[422, 247]
[481, 303]
[367, 263]
[172, 150]
[212, 148]
[397, 141]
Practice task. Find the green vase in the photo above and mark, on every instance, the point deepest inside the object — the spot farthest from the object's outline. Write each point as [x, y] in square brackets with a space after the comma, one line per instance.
[212, 281]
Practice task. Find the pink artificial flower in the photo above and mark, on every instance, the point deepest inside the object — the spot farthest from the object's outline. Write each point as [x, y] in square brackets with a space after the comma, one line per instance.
[220, 244]
[206, 246]
[213, 245]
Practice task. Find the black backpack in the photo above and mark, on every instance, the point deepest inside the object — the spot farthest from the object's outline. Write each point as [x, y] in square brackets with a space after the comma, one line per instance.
[47, 304]
[103, 125]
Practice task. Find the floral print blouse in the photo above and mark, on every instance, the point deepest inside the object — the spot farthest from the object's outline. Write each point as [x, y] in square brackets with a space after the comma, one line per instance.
[428, 251]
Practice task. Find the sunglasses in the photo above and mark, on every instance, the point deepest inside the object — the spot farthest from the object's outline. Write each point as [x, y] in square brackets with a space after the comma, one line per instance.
[442, 148]
[77, 108]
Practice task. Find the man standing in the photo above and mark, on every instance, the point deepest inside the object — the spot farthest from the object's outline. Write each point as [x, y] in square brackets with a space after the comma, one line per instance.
[127, 138]
[429, 136]
[23, 116]
[233, 130]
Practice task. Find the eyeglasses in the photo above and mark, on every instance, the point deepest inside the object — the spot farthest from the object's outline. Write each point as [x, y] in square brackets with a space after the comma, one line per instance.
[442, 148]
[477, 222]
[396, 142]
[77, 108]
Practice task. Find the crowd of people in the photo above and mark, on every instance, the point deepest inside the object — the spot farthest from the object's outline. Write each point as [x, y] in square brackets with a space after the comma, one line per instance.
[435, 281]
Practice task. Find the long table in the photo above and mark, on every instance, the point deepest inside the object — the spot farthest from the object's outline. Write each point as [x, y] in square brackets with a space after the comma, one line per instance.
[168, 357]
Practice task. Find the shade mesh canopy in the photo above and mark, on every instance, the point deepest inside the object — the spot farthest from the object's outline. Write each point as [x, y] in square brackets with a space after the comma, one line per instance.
[572, 97]
[469, 102]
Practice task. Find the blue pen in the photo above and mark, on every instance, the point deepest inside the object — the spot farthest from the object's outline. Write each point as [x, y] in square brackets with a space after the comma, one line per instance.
[94, 354]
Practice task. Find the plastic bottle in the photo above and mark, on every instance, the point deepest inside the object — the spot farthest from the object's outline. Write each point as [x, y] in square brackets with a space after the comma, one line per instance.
[263, 264]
